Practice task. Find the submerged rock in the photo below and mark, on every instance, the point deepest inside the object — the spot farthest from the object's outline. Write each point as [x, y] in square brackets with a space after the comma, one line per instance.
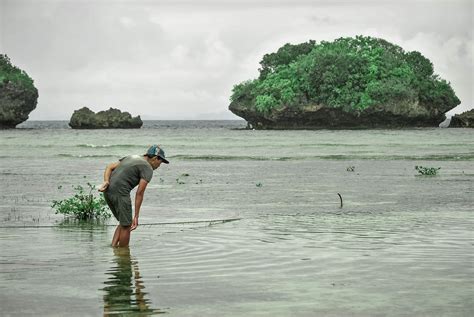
[463, 120]
[85, 118]
[360, 82]
[18, 95]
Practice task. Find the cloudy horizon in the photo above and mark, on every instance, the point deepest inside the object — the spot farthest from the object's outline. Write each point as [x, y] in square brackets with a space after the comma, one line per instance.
[180, 60]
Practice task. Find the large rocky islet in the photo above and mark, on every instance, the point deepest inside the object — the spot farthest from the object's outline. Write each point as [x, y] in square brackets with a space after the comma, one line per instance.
[360, 82]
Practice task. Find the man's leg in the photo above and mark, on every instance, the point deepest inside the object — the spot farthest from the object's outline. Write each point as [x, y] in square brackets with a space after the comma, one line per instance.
[116, 238]
[124, 237]
[123, 208]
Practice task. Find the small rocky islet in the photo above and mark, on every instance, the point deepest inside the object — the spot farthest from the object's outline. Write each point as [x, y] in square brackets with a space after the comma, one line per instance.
[112, 118]
[463, 120]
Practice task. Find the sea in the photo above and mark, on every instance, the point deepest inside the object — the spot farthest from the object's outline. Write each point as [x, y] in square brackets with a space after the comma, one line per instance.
[242, 223]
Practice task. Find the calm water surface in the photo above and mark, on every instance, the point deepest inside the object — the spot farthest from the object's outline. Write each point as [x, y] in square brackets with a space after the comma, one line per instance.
[401, 245]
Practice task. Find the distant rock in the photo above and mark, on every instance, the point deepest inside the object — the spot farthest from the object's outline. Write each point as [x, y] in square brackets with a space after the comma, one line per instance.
[463, 120]
[18, 95]
[85, 118]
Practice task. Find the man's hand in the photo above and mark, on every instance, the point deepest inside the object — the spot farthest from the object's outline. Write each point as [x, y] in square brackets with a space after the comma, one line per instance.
[134, 223]
[104, 186]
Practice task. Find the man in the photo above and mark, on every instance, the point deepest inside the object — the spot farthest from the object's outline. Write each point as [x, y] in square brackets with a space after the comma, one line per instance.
[119, 180]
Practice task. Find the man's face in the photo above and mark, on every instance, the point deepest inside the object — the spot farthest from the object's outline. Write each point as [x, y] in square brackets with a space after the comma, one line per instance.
[155, 163]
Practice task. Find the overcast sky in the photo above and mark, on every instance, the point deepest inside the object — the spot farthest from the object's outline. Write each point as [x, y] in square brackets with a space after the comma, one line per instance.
[180, 59]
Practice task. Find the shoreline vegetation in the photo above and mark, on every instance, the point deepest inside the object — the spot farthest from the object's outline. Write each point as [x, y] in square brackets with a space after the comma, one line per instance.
[359, 82]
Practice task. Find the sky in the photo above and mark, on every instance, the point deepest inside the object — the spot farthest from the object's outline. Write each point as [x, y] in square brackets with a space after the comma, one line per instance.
[174, 59]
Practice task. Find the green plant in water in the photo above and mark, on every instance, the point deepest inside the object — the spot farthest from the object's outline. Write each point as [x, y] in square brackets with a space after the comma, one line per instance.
[83, 205]
[427, 170]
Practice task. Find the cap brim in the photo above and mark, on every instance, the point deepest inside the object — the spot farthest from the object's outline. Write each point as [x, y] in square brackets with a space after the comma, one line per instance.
[164, 160]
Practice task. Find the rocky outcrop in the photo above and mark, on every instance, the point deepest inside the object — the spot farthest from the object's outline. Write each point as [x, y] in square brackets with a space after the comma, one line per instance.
[16, 103]
[359, 82]
[324, 117]
[85, 118]
[463, 120]
[18, 96]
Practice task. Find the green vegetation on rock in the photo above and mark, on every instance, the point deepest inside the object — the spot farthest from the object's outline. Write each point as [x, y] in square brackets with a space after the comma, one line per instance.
[349, 74]
[11, 73]
[18, 95]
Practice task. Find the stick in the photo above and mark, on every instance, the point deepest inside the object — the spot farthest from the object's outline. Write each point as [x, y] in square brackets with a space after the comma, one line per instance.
[340, 197]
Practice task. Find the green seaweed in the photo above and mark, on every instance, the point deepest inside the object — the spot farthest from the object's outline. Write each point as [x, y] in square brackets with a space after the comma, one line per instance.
[427, 171]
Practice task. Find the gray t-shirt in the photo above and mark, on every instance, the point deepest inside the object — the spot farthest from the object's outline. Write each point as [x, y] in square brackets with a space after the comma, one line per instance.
[128, 173]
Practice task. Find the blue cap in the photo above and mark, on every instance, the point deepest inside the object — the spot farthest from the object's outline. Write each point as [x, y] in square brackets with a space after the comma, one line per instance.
[155, 150]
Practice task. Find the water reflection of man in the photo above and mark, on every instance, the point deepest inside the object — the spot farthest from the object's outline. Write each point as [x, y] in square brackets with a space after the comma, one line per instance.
[124, 290]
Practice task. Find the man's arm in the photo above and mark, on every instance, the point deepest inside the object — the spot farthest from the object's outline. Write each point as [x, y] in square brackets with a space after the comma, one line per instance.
[138, 202]
[108, 171]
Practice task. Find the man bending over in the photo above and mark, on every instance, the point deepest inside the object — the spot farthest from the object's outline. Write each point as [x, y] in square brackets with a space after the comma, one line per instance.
[119, 180]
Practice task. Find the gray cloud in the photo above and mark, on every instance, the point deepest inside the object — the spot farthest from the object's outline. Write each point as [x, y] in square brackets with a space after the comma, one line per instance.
[180, 59]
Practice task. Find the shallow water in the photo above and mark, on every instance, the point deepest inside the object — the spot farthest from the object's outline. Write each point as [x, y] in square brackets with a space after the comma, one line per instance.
[401, 245]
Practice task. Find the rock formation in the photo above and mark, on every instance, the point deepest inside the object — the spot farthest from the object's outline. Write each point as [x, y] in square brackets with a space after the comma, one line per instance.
[360, 82]
[463, 120]
[314, 116]
[85, 118]
[18, 95]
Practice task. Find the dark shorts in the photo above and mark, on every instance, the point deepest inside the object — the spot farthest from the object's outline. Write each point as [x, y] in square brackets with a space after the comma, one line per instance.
[121, 207]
